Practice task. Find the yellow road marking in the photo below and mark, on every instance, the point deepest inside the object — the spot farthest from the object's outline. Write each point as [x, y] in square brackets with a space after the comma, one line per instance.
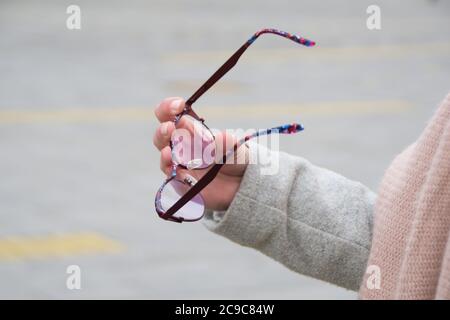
[82, 115]
[284, 55]
[96, 115]
[310, 109]
[50, 246]
[224, 86]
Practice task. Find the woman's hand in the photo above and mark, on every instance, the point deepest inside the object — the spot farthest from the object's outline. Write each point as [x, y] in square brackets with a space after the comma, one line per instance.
[220, 192]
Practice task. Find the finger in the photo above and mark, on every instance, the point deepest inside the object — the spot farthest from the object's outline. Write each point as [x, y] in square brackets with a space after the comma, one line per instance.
[166, 166]
[168, 108]
[189, 175]
[196, 128]
[166, 160]
[162, 135]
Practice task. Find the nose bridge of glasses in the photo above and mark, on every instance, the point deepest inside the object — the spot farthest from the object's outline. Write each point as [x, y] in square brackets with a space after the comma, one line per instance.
[189, 111]
[192, 113]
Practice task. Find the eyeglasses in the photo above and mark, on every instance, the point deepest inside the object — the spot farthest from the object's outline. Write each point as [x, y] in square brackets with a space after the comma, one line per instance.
[180, 200]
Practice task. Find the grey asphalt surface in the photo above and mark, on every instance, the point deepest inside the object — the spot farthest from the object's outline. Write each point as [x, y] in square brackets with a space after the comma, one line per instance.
[69, 174]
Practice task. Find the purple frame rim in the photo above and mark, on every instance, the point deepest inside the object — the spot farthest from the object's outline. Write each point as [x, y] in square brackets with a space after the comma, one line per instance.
[161, 212]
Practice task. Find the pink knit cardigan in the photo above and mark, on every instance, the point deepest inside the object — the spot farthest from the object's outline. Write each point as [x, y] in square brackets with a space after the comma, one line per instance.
[411, 240]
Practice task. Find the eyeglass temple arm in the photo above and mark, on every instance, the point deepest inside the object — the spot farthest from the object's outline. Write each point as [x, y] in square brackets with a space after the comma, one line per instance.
[212, 173]
[231, 62]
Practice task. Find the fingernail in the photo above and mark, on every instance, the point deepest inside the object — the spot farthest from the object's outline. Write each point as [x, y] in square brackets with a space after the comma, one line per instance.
[164, 128]
[175, 106]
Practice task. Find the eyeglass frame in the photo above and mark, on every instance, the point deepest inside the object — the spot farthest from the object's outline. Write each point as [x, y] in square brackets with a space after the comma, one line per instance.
[198, 186]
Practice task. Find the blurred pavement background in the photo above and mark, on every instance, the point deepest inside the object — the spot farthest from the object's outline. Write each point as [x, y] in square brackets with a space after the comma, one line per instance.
[77, 166]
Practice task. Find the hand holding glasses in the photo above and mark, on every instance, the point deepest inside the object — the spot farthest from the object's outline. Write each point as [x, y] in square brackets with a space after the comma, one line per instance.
[179, 200]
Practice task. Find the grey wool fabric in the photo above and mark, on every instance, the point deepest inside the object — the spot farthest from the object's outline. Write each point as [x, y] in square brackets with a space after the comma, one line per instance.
[310, 219]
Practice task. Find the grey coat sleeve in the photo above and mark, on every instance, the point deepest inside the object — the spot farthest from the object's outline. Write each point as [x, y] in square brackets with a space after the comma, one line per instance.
[312, 220]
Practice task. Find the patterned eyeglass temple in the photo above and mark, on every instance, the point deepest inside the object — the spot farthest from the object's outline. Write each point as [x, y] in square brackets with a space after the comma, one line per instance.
[283, 129]
[284, 34]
